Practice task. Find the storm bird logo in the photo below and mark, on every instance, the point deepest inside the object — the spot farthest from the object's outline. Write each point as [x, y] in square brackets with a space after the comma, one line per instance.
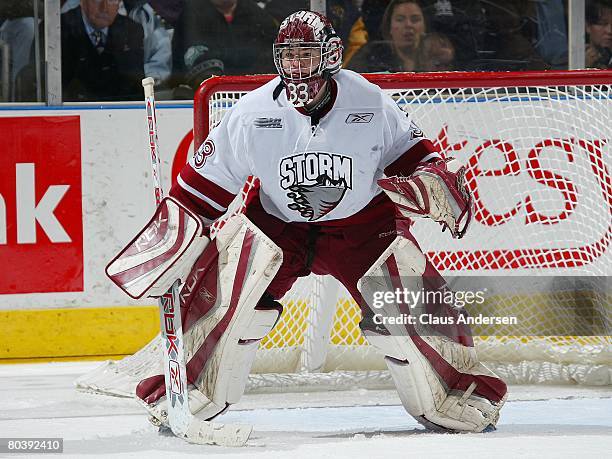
[317, 200]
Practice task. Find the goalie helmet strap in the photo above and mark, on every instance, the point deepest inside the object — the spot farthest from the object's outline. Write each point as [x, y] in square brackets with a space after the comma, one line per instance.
[325, 104]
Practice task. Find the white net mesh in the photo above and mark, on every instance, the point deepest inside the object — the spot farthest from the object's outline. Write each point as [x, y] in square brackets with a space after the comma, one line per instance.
[538, 161]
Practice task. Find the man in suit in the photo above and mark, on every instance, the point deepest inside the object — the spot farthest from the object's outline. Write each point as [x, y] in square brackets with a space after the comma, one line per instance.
[157, 37]
[102, 53]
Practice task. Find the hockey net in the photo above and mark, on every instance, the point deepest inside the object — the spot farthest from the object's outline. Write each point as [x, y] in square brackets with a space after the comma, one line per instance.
[537, 148]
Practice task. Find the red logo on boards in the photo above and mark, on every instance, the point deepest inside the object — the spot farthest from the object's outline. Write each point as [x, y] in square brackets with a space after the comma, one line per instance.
[41, 225]
[571, 253]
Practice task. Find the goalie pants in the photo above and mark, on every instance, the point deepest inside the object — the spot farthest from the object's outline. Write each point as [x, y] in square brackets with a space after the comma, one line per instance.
[345, 249]
[442, 385]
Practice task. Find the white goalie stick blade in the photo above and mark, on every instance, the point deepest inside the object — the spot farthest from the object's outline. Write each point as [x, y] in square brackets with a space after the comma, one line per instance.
[214, 433]
[182, 422]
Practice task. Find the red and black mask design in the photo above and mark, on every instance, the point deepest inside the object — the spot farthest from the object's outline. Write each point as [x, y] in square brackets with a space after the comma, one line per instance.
[307, 51]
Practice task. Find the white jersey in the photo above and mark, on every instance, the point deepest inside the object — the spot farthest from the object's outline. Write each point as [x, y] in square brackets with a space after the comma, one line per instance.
[307, 173]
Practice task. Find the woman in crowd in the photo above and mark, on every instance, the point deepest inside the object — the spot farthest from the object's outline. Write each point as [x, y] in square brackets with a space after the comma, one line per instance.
[598, 53]
[437, 53]
[403, 28]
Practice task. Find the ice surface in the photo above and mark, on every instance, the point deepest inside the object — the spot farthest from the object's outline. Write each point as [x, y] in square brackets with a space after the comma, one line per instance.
[39, 400]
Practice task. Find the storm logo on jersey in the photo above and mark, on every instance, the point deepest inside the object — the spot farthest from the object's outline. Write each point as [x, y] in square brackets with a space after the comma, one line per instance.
[315, 182]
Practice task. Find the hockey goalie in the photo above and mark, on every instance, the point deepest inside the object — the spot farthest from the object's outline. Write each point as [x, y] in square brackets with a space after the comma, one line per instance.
[343, 173]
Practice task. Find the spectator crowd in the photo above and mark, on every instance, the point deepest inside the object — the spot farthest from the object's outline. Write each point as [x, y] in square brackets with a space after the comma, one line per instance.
[108, 46]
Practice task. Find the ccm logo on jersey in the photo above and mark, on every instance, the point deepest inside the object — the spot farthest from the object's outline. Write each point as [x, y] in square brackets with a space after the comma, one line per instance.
[316, 182]
[206, 149]
[359, 118]
[269, 123]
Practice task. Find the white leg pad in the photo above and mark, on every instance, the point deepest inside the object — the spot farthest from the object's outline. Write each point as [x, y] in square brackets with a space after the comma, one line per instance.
[227, 315]
[440, 382]
[427, 397]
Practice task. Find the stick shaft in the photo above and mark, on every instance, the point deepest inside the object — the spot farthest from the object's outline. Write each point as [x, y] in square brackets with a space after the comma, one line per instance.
[169, 304]
[182, 422]
[147, 84]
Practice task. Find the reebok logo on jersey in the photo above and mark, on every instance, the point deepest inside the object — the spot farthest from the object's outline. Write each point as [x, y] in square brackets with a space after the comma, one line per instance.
[359, 118]
[316, 182]
[268, 123]
[415, 131]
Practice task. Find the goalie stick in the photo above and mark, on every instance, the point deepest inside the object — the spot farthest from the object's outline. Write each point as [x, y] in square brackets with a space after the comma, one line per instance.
[182, 422]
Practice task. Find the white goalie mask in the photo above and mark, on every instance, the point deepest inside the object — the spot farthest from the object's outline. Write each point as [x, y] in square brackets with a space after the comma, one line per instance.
[307, 52]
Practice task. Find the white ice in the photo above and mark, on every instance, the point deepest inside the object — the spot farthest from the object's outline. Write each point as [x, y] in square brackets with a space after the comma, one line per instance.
[39, 400]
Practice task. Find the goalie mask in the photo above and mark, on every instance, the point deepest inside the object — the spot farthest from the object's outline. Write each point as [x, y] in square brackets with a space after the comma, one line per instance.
[307, 52]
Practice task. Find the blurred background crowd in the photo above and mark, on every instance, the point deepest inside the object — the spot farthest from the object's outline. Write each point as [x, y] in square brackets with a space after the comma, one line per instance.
[108, 46]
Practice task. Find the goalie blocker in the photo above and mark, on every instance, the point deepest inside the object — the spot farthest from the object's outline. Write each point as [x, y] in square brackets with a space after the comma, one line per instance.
[224, 308]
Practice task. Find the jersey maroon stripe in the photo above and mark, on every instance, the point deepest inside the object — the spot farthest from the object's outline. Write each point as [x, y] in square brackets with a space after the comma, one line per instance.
[194, 203]
[207, 187]
[406, 164]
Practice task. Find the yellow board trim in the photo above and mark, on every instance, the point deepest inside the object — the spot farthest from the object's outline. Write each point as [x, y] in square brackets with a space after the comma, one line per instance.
[44, 335]
[87, 358]
[114, 332]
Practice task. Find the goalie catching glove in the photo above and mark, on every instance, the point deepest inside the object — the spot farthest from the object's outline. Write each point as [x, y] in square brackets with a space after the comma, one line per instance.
[435, 192]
